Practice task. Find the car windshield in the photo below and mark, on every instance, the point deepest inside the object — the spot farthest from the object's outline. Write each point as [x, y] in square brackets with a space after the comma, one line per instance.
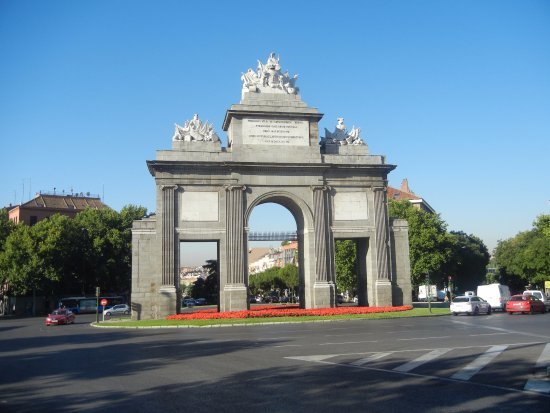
[518, 298]
[59, 312]
[461, 300]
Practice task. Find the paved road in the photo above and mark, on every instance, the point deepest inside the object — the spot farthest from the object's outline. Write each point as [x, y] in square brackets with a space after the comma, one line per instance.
[438, 364]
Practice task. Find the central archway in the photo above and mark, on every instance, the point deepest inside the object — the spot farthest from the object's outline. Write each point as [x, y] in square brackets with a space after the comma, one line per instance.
[304, 229]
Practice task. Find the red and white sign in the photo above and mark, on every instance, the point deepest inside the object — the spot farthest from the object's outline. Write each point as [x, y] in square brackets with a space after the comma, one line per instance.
[104, 302]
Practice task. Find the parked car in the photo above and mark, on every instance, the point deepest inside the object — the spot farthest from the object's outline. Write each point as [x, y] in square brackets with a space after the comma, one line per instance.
[541, 296]
[188, 302]
[525, 303]
[200, 301]
[470, 304]
[495, 294]
[119, 309]
[60, 316]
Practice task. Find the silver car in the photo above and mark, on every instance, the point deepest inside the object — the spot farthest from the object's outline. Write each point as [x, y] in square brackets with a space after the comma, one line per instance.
[470, 305]
[119, 309]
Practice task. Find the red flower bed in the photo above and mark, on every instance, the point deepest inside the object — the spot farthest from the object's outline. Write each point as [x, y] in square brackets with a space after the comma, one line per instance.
[280, 311]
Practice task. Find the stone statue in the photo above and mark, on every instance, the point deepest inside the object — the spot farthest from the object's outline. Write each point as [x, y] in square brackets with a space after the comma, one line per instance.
[341, 136]
[195, 130]
[269, 78]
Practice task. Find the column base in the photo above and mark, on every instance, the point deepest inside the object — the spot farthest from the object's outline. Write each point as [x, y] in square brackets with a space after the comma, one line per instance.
[168, 301]
[234, 297]
[324, 295]
[383, 293]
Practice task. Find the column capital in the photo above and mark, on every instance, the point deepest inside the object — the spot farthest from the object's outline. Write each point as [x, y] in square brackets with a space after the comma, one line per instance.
[164, 187]
[229, 188]
[380, 188]
[323, 188]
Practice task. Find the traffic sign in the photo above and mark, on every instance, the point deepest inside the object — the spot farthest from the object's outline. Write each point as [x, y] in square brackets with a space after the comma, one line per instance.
[104, 302]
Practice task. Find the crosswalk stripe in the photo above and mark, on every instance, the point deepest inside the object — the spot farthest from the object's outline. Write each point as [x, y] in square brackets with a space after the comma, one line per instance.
[544, 358]
[541, 385]
[421, 360]
[471, 369]
[366, 360]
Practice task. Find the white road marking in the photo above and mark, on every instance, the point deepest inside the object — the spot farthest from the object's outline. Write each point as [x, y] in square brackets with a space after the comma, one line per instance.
[421, 338]
[502, 329]
[541, 385]
[366, 360]
[320, 357]
[425, 358]
[538, 385]
[544, 358]
[288, 345]
[347, 342]
[475, 366]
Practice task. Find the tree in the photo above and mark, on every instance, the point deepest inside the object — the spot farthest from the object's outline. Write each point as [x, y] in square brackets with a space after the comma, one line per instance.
[106, 248]
[290, 277]
[525, 259]
[345, 257]
[431, 247]
[208, 287]
[18, 262]
[468, 262]
[542, 225]
[6, 227]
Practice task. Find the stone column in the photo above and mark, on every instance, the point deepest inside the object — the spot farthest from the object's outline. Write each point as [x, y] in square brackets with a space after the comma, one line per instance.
[234, 294]
[168, 235]
[168, 290]
[324, 290]
[383, 294]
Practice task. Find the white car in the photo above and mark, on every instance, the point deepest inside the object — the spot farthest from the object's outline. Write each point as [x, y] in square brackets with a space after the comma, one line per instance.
[470, 305]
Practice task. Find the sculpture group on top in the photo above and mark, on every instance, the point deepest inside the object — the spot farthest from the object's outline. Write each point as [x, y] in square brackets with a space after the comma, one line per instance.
[269, 78]
[341, 136]
[195, 130]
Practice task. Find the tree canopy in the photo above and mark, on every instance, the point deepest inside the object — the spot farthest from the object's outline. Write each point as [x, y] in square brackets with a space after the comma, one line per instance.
[60, 255]
[431, 246]
[525, 259]
[346, 273]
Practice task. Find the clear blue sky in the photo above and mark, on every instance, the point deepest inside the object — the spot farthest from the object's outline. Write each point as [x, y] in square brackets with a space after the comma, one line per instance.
[455, 93]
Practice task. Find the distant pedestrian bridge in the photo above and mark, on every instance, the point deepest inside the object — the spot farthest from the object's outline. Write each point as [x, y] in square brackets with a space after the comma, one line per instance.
[272, 236]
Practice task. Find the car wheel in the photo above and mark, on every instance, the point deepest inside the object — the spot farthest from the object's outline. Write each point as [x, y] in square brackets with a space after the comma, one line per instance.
[455, 314]
[510, 312]
[531, 311]
[489, 311]
[126, 312]
[476, 311]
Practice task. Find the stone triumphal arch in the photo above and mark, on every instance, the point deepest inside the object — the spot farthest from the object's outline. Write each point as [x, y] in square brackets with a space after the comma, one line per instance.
[333, 186]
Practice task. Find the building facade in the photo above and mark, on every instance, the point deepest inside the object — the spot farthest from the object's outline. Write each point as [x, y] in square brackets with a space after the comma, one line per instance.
[44, 205]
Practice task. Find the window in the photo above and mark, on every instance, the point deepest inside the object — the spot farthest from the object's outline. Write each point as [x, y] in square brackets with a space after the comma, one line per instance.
[34, 220]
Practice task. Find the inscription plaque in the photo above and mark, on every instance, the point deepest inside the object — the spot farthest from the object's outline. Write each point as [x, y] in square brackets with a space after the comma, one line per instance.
[350, 206]
[275, 132]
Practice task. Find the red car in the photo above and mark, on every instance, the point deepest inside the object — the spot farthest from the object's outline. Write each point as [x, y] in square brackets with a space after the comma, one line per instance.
[60, 316]
[524, 304]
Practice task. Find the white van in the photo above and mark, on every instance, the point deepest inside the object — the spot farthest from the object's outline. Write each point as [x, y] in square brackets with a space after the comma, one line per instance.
[496, 294]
